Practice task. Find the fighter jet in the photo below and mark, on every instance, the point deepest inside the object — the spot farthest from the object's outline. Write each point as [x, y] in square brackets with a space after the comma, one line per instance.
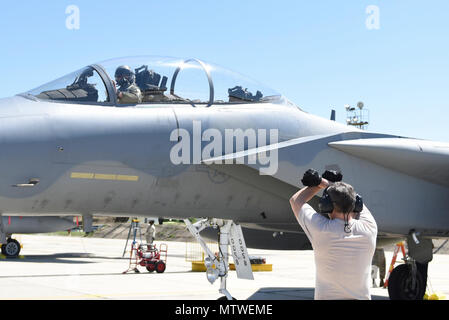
[202, 141]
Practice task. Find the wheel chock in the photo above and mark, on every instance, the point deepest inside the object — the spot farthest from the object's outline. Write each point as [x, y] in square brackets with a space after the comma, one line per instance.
[434, 296]
[256, 267]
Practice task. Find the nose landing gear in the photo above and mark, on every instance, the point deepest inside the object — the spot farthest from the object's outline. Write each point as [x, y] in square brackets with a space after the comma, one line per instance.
[218, 266]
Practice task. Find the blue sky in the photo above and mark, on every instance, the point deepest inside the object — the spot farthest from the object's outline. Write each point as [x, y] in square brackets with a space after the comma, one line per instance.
[319, 54]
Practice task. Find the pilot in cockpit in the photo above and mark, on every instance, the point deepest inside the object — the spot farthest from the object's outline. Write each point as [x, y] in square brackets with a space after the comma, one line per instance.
[128, 91]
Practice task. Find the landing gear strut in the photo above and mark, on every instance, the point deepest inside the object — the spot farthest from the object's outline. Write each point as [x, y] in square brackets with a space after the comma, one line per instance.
[218, 266]
[408, 281]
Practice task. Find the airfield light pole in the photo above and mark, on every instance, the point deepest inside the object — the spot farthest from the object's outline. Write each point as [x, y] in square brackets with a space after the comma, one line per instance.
[357, 117]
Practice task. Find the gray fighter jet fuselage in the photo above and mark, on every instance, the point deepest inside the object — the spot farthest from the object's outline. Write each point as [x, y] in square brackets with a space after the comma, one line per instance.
[116, 161]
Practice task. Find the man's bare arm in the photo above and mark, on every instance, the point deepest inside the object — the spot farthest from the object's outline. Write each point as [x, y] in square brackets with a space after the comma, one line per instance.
[304, 195]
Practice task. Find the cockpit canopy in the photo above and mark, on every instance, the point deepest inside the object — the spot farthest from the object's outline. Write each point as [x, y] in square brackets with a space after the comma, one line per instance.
[84, 85]
[159, 80]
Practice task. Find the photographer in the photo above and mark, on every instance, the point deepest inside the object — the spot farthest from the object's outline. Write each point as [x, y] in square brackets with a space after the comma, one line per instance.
[343, 242]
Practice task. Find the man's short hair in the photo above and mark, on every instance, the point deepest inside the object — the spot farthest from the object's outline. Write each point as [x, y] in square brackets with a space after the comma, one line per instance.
[343, 196]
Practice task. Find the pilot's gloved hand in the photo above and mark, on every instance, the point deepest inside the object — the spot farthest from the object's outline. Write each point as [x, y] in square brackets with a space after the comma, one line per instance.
[311, 178]
[332, 175]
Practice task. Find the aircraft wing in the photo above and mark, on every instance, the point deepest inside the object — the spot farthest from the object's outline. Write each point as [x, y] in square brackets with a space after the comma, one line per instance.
[427, 160]
[293, 156]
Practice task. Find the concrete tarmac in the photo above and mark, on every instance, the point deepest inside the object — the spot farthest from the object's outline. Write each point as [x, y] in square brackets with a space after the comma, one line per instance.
[72, 268]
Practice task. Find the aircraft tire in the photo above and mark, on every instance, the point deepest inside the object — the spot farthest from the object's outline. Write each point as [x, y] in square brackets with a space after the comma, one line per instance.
[11, 249]
[400, 284]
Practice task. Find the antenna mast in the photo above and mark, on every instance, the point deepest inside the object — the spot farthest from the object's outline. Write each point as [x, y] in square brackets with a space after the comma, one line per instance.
[357, 117]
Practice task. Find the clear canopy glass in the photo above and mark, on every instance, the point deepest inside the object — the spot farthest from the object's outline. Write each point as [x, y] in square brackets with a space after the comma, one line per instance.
[83, 86]
[157, 80]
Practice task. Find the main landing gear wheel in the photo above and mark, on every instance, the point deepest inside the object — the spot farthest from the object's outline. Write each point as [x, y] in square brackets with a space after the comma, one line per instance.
[403, 286]
[11, 248]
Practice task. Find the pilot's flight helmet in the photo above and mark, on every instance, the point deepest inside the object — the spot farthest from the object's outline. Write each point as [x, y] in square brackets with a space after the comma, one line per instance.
[124, 76]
